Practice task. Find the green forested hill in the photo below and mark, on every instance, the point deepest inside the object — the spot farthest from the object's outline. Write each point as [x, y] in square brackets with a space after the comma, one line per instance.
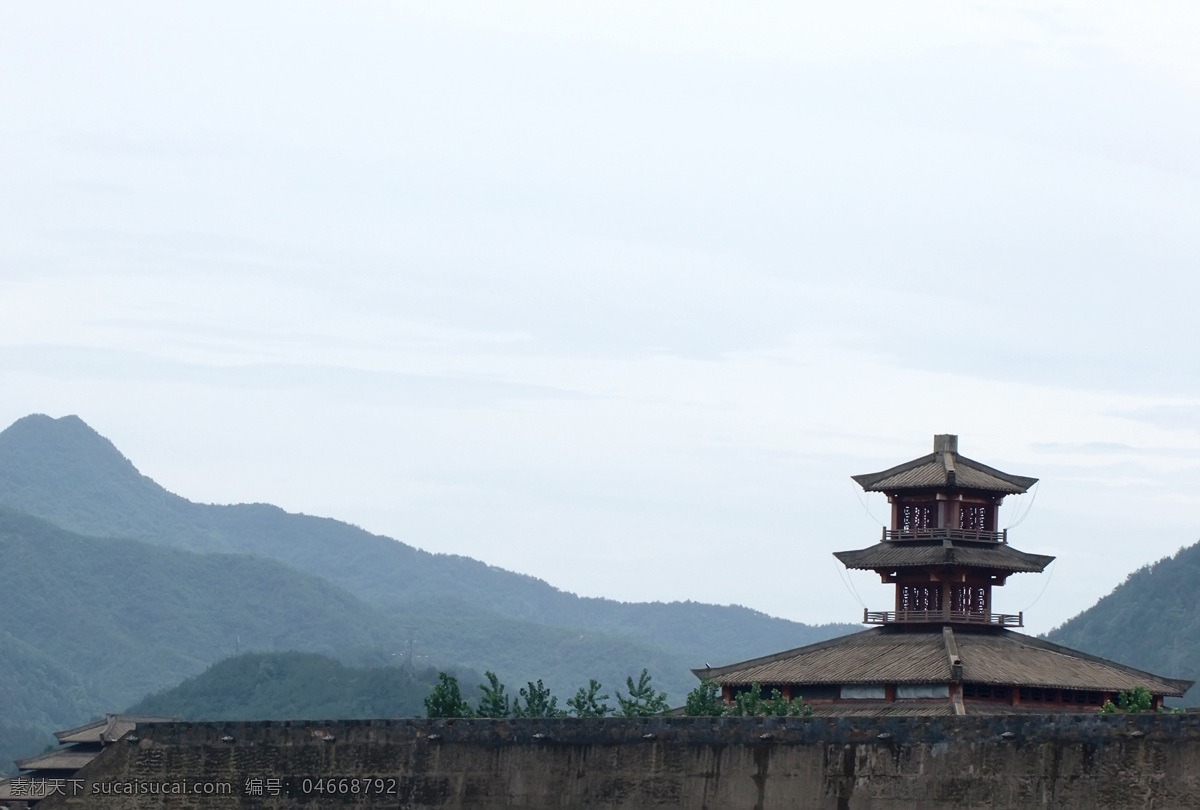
[295, 686]
[122, 588]
[36, 694]
[90, 625]
[63, 471]
[1150, 621]
[93, 624]
[105, 621]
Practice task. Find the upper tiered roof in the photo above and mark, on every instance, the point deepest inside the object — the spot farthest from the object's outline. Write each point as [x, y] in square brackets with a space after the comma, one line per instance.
[944, 468]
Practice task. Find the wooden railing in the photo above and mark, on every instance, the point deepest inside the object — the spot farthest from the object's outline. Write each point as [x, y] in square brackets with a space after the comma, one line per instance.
[943, 617]
[892, 535]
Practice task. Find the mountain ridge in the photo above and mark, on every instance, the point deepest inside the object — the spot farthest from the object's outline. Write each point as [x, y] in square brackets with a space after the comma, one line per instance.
[42, 457]
[1151, 620]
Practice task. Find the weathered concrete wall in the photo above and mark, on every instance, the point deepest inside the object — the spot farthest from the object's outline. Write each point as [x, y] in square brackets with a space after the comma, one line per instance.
[1067, 761]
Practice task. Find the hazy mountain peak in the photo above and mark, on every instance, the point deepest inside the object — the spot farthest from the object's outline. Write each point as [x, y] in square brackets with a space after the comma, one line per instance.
[66, 439]
[42, 457]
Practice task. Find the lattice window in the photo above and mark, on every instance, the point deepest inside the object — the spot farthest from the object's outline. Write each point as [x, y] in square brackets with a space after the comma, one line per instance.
[915, 517]
[973, 517]
[920, 597]
[968, 599]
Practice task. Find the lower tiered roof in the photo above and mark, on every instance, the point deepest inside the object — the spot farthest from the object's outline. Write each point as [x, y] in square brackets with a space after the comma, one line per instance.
[925, 655]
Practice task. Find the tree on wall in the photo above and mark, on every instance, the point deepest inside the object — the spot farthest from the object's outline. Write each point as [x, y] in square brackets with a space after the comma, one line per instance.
[446, 700]
[538, 702]
[1135, 701]
[642, 700]
[705, 701]
[493, 702]
[587, 703]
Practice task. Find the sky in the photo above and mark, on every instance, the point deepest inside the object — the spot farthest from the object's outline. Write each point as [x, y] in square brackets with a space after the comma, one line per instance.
[620, 295]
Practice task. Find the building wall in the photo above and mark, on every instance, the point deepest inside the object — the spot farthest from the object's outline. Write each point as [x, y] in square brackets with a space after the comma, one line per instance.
[1071, 761]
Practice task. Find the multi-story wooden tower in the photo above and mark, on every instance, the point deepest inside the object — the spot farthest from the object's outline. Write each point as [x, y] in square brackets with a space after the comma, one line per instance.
[944, 550]
[943, 648]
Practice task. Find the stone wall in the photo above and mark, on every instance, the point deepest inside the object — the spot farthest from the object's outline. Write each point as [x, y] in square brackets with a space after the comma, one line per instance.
[1066, 761]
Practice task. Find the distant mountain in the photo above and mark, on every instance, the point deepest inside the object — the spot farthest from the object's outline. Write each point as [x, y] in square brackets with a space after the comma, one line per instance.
[37, 694]
[97, 623]
[90, 625]
[1150, 621]
[63, 471]
[297, 686]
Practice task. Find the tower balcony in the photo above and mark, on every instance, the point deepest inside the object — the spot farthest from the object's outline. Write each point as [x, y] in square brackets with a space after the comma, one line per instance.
[977, 535]
[943, 617]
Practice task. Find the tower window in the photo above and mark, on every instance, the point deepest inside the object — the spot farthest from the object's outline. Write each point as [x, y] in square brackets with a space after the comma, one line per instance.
[915, 517]
[920, 597]
[968, 599]
[973, 517]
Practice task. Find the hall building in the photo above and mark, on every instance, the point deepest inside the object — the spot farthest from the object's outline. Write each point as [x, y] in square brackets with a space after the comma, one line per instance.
[942, 648]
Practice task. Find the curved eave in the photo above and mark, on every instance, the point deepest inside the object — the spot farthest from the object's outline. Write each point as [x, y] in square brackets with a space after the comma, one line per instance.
[944, 471]
[990, 655]
[891, 556]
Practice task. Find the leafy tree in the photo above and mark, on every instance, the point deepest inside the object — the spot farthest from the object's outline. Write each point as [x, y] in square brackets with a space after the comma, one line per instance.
[642, 700]
[586, 702]
[538, 702]
[751, 703]
[446, 700]
[798, 708]
[705, 701]
[1133, 702]
[1139, 700]
[494, 702]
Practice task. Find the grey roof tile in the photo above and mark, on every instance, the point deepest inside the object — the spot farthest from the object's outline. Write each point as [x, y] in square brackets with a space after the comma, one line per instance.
[918, 655]
[907, 553]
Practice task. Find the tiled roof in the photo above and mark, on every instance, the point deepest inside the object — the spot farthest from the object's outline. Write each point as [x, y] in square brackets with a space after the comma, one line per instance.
[907, 655]
[66, 759]
[1006, 657]
[941, 469]
[872, 656]
[908, 553]
[110, 729]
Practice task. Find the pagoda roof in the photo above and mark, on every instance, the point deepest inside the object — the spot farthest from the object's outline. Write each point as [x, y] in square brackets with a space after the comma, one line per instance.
[944, 468]
[112, 728]
[63, 759]
[906, 655]
[923, 554]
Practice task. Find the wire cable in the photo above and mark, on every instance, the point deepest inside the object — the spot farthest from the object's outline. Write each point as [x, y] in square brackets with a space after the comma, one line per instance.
[1050, 576]
[865, 507]
[849, 585]
[1021, 519]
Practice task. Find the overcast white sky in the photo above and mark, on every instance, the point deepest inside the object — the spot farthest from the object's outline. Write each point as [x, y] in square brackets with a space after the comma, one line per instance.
[620, 294]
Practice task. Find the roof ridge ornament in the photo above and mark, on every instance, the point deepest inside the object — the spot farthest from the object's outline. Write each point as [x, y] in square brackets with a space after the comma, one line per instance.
[945, 443]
